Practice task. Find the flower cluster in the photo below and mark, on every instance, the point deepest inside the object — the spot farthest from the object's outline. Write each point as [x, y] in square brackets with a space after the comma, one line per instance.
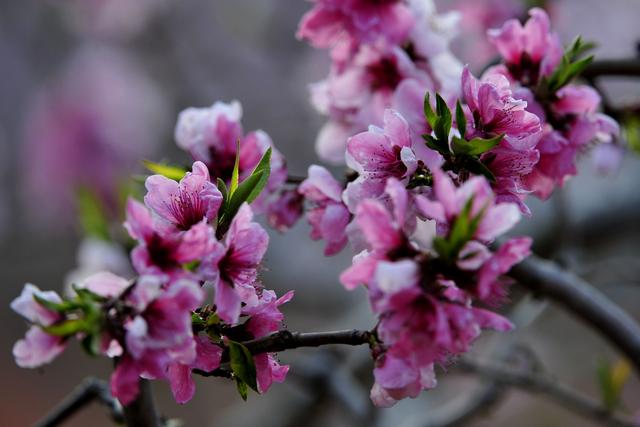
[425, 262]
[540, 74]
[435, 182]
[432, 189]
[211, 135]
[190, 234]
[384, 53]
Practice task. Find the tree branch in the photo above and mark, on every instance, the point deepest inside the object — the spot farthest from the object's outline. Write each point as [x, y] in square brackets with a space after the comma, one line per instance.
[286, 340]
[142, 411]
[86, 392]
[565, 396]
[548, 279]
[613, 67]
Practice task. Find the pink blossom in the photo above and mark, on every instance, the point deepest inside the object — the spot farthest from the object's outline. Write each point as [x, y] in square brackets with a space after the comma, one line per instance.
[448, 202]
[158, 334]
[356, 95]
[345, 24]
[89, 128]
[379, 154]
[285, 210]
[37, 348]
[208, 356]
[264, 318]
[328, 216]
[491, 285]
[233, 268]
[531, 51]
[495, 111]
[187, 203]
[211, 135]
[161, 248]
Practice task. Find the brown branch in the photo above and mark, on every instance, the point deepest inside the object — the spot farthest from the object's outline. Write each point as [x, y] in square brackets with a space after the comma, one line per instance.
[286, 340]
[613, 67]
[539, 384]
[86, 392]
[142, 411]
[549, 280]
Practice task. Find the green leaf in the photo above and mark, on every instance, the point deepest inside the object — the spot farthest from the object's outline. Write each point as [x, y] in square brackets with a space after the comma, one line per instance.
[435, 144]
[172, 172]
[263, 167]
[67, 327]
[443, 122]
[476, 167]
[59, 307]
[476, 146]
[223, 189]
[236, 171]
[91, 211]
[461, 119]
[428, 111]
[242, 389]
[242, 364]
[91, 343]
[612, 378]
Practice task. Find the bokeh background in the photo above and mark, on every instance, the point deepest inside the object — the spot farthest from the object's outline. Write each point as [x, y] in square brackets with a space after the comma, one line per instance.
[88, 88]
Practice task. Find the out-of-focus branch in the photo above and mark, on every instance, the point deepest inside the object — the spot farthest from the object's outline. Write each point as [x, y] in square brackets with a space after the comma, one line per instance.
[86, 392]
[613, 67]
[548, 279]
[286, 340]
[539, 384]
[142, 411]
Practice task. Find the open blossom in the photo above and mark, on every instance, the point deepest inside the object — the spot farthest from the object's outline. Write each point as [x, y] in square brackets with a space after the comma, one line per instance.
[367, 73]
[158, 334]
[162, 249]
[328, 216]
[449, 201]
[379, 154]
[286, 209]
[531, 51]
[265, 318]
[211, 136]
[495, 111]
[426, 312]
[345, 24]
[187, 203]
[233, 266]
[37, 347]
[356, 95]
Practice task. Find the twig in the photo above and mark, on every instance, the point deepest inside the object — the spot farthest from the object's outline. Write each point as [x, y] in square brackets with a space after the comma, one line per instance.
[613, 67]
[142, 411]
[286, 340]
[548, 279]
[86, 392]
[538, 384]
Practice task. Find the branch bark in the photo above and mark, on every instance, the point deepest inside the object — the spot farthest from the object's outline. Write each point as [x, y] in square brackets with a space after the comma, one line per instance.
[86, 392]
[286, 340]
[579, 297]
[142, 411]
[613, 67]
[562, 394]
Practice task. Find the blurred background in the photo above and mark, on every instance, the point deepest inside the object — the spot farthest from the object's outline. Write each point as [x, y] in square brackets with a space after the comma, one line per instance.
[89, 88]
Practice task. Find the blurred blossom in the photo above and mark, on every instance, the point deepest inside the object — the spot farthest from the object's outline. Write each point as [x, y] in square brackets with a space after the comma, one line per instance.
[95, 255]
[88, 128]
[478, 16]
[119, 19]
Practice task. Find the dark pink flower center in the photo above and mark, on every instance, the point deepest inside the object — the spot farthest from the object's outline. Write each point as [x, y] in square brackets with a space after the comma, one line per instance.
[384, 74]
[187, 209]
[161, 252]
